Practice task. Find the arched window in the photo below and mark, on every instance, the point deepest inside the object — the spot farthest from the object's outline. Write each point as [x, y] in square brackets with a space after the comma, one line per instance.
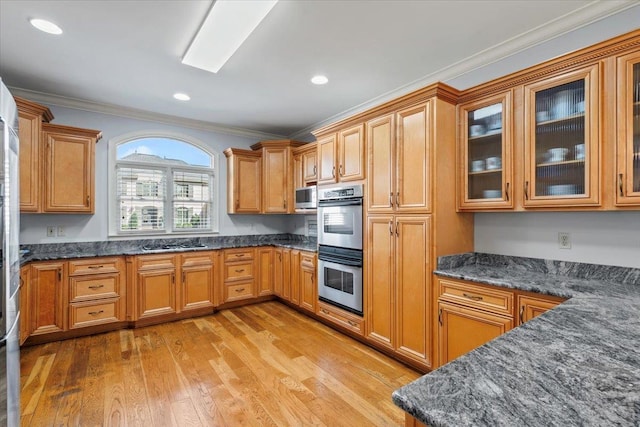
[161, 183]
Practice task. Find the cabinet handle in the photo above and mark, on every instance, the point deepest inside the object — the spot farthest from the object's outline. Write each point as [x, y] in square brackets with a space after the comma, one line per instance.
[391, 228]
[239, 255]
[59, 275]
[324, 311]
[279, 256]
[21, 282]
[526, 190]
[239, 289]
[333, 172]
[352, 323]
[397, 230]
[96, 286]
[312, 280]
[506, 192]
[440, 316]
[95, 313]
[284, 204]
[620, 185]
[315, 171]
[341, 171]
[88, 200]
[95, 267]
[184, 277]
[391, 199]
[397, 199]
[473, 297]
[522, 314]
[173, 278]
[240, 271]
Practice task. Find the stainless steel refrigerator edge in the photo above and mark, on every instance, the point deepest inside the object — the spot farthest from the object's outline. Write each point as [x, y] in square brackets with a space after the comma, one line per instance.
[10, 260]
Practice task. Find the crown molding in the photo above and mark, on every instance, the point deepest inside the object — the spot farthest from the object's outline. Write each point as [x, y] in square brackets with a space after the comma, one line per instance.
[128, 112]
[588, 14]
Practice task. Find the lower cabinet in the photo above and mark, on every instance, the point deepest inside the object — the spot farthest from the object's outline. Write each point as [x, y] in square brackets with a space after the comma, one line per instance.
[239, 274]
[308, 281]
[47, 293]
[25, 300]
[197, 279]
[341, 317]
[265, 271]
[155, 286]
[532, 306]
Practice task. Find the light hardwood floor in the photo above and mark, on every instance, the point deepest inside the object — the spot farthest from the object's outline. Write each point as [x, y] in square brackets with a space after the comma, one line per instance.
[262, 364]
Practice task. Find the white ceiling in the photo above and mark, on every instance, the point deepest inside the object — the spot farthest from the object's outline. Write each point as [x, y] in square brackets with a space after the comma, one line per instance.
[127, 53]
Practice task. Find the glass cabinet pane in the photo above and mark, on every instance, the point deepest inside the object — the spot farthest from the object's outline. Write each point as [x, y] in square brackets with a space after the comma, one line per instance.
[636, 128]
[560, 148]
[484, 152]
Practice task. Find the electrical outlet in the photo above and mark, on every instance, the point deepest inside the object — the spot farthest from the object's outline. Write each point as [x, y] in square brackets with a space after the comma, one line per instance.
[51, 231]
[564, 240]
[61, 231]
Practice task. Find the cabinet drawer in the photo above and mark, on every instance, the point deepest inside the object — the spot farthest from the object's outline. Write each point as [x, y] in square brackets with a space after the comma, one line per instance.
[238, 291]
[483, 298]
[82, 314]
[238, 271]
[203, 258]
[308, 260]
[341, 317]
[94, 287]
[233, 255]
[94, 266]
[152, 262]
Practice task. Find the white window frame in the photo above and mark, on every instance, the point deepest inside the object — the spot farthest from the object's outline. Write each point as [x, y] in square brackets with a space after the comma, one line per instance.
[114, 206]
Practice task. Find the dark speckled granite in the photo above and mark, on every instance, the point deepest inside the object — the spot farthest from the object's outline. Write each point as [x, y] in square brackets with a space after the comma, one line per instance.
[51, 251]
[578, 364]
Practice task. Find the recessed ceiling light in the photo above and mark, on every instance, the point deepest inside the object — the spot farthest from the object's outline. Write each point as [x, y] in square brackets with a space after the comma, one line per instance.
[223, 31]
[46, 26]
[319, 80]
[181, 96]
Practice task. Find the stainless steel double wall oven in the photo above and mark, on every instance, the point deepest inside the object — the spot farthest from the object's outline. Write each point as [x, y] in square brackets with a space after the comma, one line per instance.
[340, 246]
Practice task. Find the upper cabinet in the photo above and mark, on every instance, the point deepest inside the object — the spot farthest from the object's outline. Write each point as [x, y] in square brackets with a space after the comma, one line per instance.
[398, 158]
[244, 178]
[562, 140]
[628, 140]
[486, 153]
[341, 156]
[57, 163]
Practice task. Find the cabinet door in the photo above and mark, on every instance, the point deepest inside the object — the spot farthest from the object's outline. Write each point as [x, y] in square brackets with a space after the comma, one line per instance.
[278, 272]
[25, 299]
[380, 280]
[308, 282]
[413, 177]
[47, 292]
[246, 180]
[351, 154]
[294, 280]
[29, 125]
[310, 167]
[562, 144]
[327, 152]
[156, 292]
[530, 307]
[286, 274]
[197, 281]
[265, 271]
[628, 156]
[275, 180]
[413, 284]
[68, 166]
[462, 329]
[381, 164]
[485, 146]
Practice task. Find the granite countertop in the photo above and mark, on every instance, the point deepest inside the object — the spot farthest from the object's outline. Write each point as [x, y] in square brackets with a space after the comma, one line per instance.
[578, 364]
[53, 251]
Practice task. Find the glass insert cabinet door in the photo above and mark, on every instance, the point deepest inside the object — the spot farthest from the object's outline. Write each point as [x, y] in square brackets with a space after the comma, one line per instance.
[628, 169]
[486, 153]
[561, 140]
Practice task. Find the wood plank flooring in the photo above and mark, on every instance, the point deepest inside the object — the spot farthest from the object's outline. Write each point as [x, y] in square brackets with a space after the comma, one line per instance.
[257, 365]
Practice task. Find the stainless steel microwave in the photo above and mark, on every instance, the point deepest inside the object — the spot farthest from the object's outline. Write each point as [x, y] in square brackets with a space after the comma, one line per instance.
[306, 197]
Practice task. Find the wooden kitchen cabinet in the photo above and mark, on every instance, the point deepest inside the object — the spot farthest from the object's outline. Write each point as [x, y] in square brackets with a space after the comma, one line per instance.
[97, 293]
[294, 279]
[155, 286]
[265, 271]
[282, 273]
[462, 329]
[25, 303]
[69, 162]
[531, 306]
[308, 281]
[562, 140]
[485, 153]
[341, 156]
[628, 137]
[30, 118]
[198, 280]
[244, 180]
[239, 274]
[398, 280]
[47, 291]
[399, 154]
[307, 169]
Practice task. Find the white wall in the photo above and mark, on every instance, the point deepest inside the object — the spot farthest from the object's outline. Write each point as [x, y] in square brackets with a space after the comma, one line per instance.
[596, 237]
[83, 228]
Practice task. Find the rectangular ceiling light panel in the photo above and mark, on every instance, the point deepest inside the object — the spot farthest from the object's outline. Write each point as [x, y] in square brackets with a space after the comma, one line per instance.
[226, 27]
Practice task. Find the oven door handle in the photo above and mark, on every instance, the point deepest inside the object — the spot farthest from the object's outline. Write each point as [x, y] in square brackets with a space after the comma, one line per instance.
[343, 261]
[346, 202]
